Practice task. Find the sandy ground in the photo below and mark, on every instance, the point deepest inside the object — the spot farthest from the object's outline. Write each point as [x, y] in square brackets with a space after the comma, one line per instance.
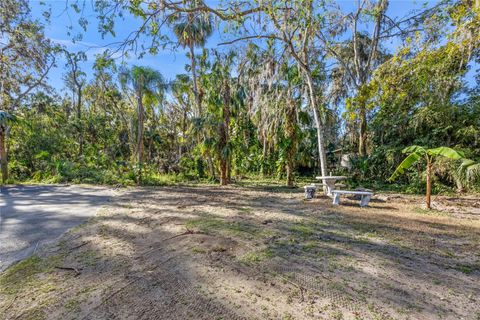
[255, 253]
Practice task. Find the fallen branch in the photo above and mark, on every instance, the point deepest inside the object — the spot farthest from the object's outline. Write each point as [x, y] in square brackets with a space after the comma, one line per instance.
[301, 288]
[11, 303]
[181, 234]
[77, 272]
[153, 248]
[80, 245]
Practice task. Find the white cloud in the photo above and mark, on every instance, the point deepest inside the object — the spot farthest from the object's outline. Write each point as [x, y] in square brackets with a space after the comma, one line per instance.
[74, 44]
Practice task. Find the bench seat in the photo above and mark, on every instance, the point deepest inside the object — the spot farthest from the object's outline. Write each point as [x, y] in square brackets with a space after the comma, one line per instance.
[365, 196]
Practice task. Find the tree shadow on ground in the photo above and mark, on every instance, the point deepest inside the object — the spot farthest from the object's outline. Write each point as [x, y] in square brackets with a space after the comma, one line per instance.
[193, 252]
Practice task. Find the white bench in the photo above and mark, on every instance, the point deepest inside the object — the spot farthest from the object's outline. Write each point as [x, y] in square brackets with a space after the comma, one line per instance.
[365, 196]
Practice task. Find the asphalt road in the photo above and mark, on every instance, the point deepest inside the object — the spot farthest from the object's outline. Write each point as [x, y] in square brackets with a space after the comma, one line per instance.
[31, 216]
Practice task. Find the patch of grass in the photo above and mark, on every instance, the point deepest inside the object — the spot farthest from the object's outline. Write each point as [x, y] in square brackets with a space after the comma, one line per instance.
[88, 258]
[467, 269]
[72, 305]
[309, 245]
[198, 250]
[34, 314]
[23, 275]
[255, 257]
[302, 230]
[431, 212]
[21, 272]
[214, 225]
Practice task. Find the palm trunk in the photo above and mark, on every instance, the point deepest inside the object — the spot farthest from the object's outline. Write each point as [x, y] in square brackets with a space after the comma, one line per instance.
[224, 130]
[140, 136]
[194, 76]
[3, 156]
[429, 184]
[223, 172]
[291, 135]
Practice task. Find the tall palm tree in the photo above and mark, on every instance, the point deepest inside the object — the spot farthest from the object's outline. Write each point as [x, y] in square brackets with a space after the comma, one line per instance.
[144, 83]
[192, 30]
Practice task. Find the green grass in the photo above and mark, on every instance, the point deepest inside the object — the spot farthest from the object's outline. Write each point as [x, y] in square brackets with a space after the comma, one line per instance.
[72, 305]
[211, 224]
[88, 258]
[303, 230]
[467, 269]
[24, 275]
[255, 257]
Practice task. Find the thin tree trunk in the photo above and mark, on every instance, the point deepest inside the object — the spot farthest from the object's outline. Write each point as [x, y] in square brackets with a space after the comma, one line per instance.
[184, 130]
[264, 157]
[229, 169]
[320, 137]
[211, 167]
[429, 184]
[362, 139]
[3, 156]
[79, 117]
[194, 75]
[140, 136]
[224, 130]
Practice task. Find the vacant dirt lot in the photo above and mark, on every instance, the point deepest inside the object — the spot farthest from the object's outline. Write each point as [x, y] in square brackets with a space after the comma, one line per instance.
[255, 253]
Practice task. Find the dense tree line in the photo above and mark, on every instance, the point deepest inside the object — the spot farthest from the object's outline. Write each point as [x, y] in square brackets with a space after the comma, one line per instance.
[294, 81]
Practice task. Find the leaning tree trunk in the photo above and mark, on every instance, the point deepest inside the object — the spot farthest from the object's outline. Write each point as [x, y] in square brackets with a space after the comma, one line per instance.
[429, 184]
[320, 137]
[3, 156]
[140, 136]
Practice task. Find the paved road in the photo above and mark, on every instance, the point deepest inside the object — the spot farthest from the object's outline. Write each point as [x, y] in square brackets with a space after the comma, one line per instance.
[33, 215]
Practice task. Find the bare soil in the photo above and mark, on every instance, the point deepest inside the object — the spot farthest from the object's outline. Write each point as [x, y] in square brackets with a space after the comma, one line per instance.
[234, 252]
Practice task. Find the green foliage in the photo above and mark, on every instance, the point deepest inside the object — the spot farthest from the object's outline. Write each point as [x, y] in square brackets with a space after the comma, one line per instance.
[415, 153]
[247, 113]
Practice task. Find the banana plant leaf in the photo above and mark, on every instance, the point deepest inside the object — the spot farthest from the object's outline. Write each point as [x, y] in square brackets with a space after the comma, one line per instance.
[406, 163]
[446, 152]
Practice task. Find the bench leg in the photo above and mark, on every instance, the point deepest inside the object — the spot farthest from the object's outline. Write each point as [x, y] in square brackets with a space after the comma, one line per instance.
[336, 199]
[365, 200]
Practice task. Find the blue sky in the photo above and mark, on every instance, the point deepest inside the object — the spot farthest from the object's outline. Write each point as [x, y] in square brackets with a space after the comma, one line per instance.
[168, 62]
